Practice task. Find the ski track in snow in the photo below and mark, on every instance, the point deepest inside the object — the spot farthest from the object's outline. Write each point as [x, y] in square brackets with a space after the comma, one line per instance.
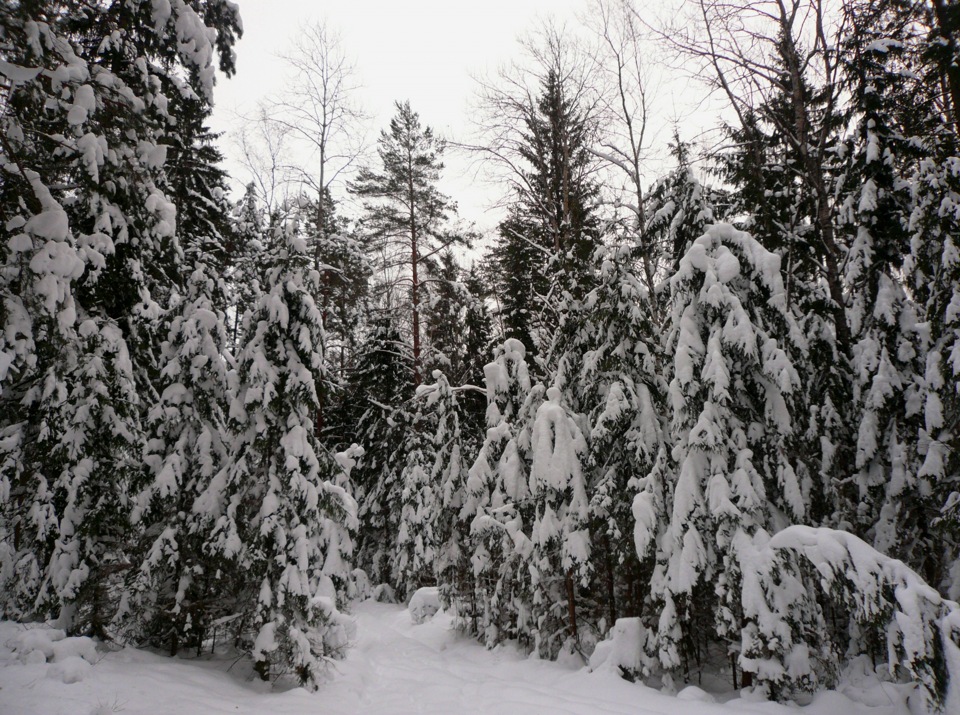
[394, 668]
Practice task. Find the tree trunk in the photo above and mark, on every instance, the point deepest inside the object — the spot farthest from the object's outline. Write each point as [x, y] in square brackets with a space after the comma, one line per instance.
[262, 668]
[611, 586]
[951, 70]
[415, 282]
[572, 605]
[321, 236]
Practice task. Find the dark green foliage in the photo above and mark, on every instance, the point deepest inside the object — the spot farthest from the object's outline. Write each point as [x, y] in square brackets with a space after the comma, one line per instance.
[544, 247]
[374, 414]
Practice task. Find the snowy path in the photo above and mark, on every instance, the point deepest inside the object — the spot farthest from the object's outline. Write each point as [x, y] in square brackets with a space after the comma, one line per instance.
[395, 668]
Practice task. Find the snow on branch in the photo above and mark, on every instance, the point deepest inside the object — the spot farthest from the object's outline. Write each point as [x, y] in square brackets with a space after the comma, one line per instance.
[787, 579]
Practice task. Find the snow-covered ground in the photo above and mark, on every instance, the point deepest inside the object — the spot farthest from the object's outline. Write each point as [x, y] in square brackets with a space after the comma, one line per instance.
[395, 667]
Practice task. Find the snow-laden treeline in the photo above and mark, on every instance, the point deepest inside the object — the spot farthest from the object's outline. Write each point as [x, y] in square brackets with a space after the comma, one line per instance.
[724, 417]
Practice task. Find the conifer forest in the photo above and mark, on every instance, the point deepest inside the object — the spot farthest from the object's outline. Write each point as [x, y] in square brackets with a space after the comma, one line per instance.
[704, 411]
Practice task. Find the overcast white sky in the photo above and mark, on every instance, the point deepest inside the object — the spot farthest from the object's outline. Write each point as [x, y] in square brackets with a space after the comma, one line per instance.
[422, 50]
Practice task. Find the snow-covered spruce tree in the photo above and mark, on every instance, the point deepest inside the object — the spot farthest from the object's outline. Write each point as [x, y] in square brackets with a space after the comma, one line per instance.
[544, 246]
[39, 315]
[609, 371]
[344, 277]
[560, 560]
[497, 502]
[374, 407]
[934, 274]
[198, 186]
[781, 161]
[449, 473]
[932, 270]
[283, 513]
[415, 545]
[791, 644]
[891, 502]
[92, 252]
[244, 265]
[477, 350]
[729, 474]
[446, 302]
[430, 539]
[174, 589]
[80, 464]
[680, 207]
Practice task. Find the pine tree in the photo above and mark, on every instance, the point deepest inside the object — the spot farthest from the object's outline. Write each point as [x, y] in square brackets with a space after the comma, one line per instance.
[406, 216]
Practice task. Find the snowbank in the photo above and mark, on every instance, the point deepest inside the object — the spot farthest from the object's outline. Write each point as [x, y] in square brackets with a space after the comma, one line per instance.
[396, 668]
[70, 659]
[622, 652]
[424, 604]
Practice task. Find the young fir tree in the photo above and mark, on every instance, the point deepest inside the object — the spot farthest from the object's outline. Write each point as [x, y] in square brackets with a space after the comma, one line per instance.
[477, 349]
[448, 472]
[416, 540]
[732, 377]
[497, 501]
[445, 305]
[244, 262]
[344, 276]
[783, 163]
[80, 511]
[430, 540]
[374, 407]
[680, 207]
[560, 559]
[609, 369]
[172, 592]
[934, 273]
[819, 597]
[519, 278]
[283, 513]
